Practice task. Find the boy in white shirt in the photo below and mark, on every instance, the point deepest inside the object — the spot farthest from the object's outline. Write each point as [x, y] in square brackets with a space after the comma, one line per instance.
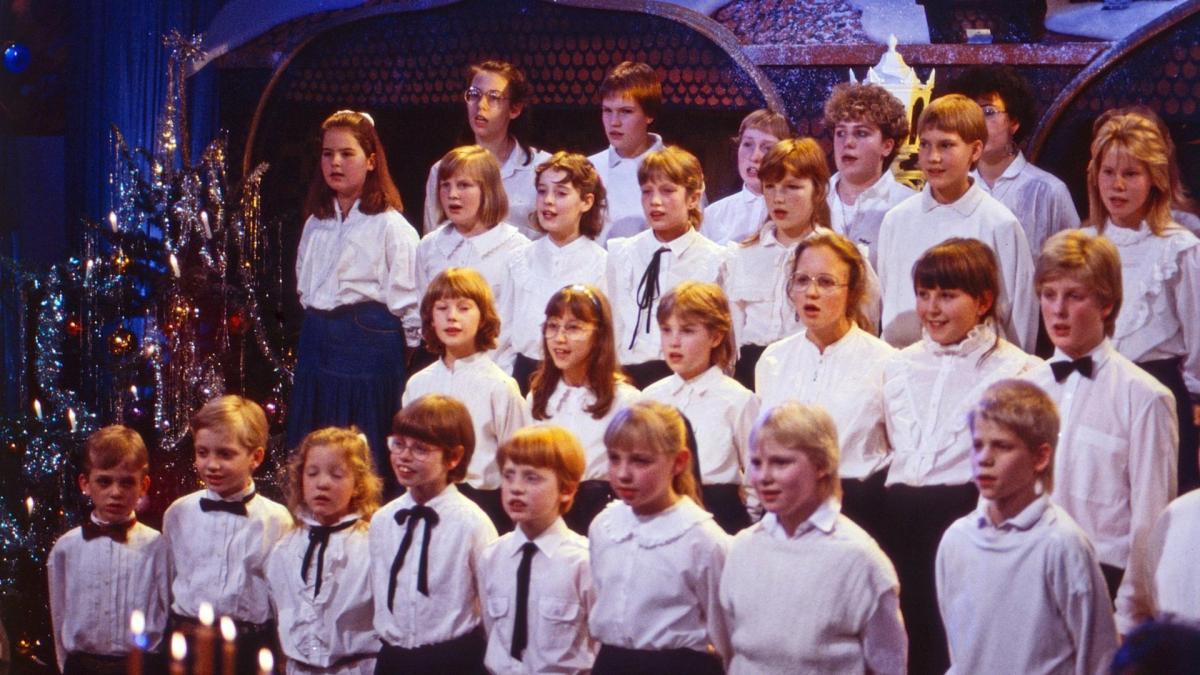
[1052, 580]
[1116, 452]
[953, 131]
[218, 538]
[630, 99]
[741, 214]
[868, 125]
[111, 566]
[535, 584]
[1166, 581]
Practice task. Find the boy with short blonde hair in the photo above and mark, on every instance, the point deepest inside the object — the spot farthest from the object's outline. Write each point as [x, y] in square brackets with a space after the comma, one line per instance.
[1052, 582]
[111, 565]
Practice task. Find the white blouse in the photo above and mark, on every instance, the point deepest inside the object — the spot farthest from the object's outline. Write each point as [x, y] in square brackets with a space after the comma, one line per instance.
[520, 186]
[317, 632]
[361, 259]
[846, 380]
[490, 395]
[657, 578]
[860, 221]
[624, 216]
[1165, 578]
[759, 304]
[1160, 312]
[1037, 198]
[566, 408]
[487, 253]
[928, 389]
[735, 217]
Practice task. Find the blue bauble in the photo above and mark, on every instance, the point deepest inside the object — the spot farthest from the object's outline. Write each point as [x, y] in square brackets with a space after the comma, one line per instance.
[17, 57]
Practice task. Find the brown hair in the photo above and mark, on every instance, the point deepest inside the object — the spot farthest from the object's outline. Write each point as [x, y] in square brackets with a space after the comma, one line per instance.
[1091, 260]
[1025, 410]
[807, 429]
[856, 285]
[585, 303]
[637, 81]
[870, 103]
[766, 121]
[962, 264]
[243, 417]
[547, 447]
[955, 114]
[802, 158]
[1138, 137]
[440, 421]
[678, 166]
[453, 283]
[378, 191]
[112, 446]
[660, 428]
[581, 175]
[706, 304]
[480, 166]
[355, 452]
[518, 91]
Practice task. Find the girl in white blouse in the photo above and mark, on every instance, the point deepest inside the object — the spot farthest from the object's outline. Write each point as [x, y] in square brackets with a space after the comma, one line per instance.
[319, 572]
[579, 386]
[836, 361]
[656, 555]
[356, 277]
[570, 212]
[1129, 201]
[928, 389]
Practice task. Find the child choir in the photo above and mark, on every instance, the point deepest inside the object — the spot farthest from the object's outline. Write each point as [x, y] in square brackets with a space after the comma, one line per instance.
[662, 438]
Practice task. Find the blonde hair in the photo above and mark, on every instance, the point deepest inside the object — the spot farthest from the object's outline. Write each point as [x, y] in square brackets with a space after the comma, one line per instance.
[706, 304]
[355, 452]
[955, 114]
[766, 121]
[856, 285]
[1027, 412]
[675, 165]
[440, 421]
[112, 446]
[480, 166]
[547, 447]
[660, 428]
[453, 283]
[807, 429]
[1088, 259]
[1138, 137]
[239, 415]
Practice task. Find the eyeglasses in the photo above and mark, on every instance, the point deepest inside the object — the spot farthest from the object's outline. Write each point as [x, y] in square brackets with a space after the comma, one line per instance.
[990, 110]
[397, 445]
[825, 283]
[473, 94]
[574, 330]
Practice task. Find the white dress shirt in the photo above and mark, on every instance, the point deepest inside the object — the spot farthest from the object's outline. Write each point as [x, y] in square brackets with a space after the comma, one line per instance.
[624, 216]
[220, 558]
[95, 586]
[824, 600]
[451, 609]
[1114, 468]
[560, 597]
[921, 222]
[566, 408]
[928, 389]
[1160, 310]
[735, 217]
[860, 221]
[317, 632]
[846, 380]
[1037, 198]
[657, 578]
[1165, 577]
[689, 257]
[535, 274]
[361, 259]
[490, 395]
[519, 178]
[1024, 596]
[722, 412]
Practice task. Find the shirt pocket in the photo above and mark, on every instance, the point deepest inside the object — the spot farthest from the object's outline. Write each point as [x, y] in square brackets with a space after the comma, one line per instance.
[1099, 467]
[559, 623]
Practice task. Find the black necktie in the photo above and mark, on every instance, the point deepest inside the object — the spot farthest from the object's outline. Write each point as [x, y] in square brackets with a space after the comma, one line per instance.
[237, 508]
[318, 540]
[646, 293]
[418, 512]
[118, 532]
[1062, 369]
[521, 622]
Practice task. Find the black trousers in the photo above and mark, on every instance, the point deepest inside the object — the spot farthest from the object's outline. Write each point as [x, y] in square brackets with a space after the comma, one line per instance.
[863, 502]
[621, 661]
[1169, 373]
[743, 370]
[724, 501]
[590, 500]
[523, 370]
[80, 663]
[462, 655]
[489, 501]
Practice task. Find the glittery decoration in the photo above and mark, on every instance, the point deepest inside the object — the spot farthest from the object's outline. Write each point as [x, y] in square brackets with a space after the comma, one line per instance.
[818, 22]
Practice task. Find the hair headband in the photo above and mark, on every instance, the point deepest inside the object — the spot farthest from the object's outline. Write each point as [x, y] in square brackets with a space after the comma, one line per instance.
[364, 115]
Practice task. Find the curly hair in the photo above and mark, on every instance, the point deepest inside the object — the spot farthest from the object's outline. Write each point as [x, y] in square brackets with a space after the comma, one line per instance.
[356, 453]
[871, 103]
[979, 81]
[581, 175]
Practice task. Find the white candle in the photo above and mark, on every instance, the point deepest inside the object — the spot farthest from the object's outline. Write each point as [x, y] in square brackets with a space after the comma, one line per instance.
[29, 505]
[112, 220]
[204, 222]
[37, 409]
[174, 265]
[71, 419]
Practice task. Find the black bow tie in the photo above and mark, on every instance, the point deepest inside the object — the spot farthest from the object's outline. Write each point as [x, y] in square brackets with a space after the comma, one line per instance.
[237, 508]
[318, 541]
[118, 532]
[411, 516]
[1062, 369]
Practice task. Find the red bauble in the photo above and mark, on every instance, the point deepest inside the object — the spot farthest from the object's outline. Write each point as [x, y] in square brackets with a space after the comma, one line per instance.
[237, 323]
[73, 327]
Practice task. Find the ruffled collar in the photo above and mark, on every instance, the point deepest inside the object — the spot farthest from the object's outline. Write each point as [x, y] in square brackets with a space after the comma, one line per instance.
[1124, 236]
[621, 523]
[982, 335]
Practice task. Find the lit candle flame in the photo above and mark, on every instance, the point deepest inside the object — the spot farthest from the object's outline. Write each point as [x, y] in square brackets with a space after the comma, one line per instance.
[174, 265]
[71, 422]
[206, 614]
[204, 222]
[29, 505]
[137, 622]
[37, 409]
[112, 220]
[178, 646]
[266, 662]
[228, 629]
[133, 389]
